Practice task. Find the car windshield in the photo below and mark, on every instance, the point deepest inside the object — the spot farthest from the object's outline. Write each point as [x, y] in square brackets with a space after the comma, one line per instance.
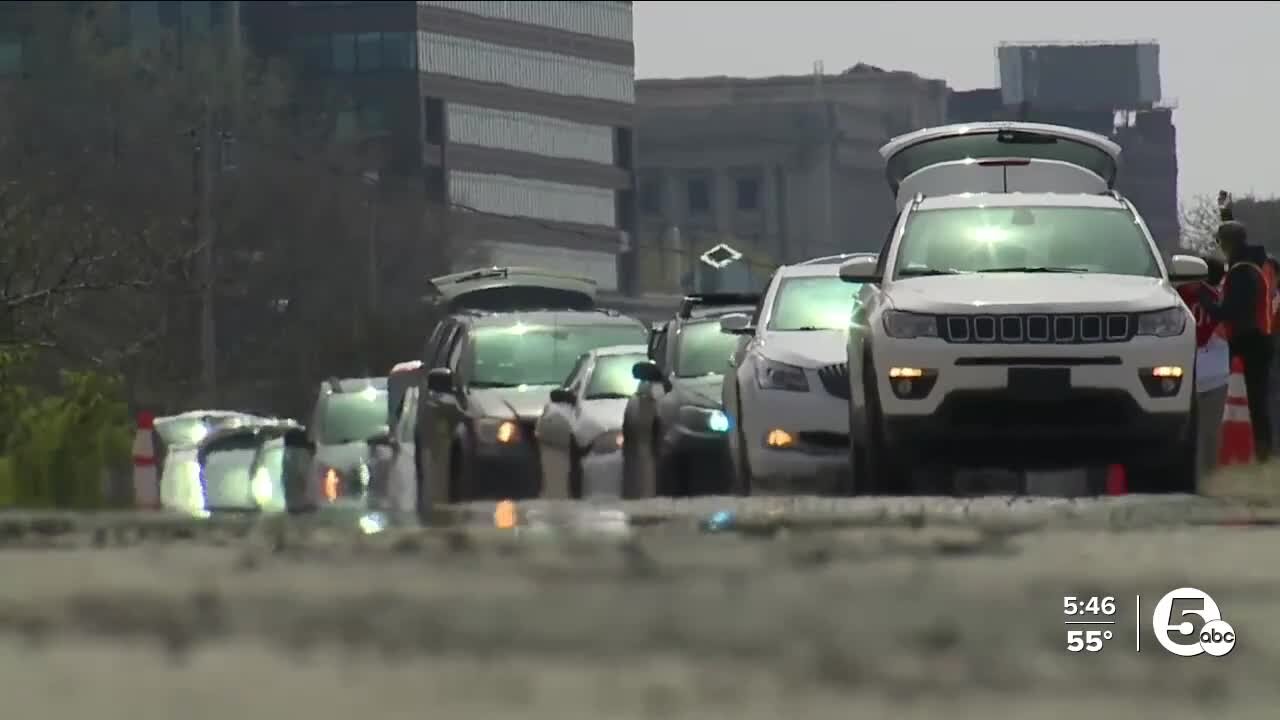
[813, 303]
[523, 354]
[704, 350]
[612, 378]
[353, 416]
[1024, 239]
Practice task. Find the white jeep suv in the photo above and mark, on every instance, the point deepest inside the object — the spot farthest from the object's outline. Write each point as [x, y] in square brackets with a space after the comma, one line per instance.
[1017, 326]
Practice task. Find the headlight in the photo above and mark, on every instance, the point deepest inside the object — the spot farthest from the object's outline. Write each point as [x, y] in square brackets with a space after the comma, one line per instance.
[701, 419]
[772, 375]
[497, 430]
[1163, 323]
[609, 442]
[907, 325]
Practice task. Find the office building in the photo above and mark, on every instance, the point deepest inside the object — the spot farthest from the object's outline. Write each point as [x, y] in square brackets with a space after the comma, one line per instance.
[779, 168]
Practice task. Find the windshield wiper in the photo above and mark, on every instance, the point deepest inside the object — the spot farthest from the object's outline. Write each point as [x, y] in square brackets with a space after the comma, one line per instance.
[807, 328]
[927, 272]
[486, 384]
[1034, 269]
[608, 396]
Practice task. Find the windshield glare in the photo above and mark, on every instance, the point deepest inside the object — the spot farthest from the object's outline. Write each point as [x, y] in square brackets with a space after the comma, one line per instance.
[612, 378]
[540, 354]
[704, 350]
[813, 303]
[1056, 239]
[353, 417]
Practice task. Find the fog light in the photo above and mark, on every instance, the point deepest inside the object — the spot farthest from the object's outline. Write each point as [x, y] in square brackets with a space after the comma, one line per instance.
[1162, 381]
[906, 372]
[779, 438]
[717, 421]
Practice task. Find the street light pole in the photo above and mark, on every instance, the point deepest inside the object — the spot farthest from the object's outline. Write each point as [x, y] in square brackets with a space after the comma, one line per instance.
[208, 275]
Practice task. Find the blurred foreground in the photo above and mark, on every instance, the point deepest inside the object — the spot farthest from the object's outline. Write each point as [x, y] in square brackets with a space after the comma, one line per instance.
[932, 605]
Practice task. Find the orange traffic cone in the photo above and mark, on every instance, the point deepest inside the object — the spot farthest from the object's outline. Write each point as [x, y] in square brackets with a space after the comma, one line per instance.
[146, 483]
[1236, 443]
[1117, 482]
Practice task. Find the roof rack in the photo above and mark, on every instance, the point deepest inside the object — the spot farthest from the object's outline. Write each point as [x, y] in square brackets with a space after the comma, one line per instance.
[706, 300]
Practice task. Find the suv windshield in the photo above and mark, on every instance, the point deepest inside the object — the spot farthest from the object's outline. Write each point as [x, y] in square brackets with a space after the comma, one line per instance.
[353, 416]
[813, 303]
[1025, 239]
[704, 350]
[539, 354]
[612, 378]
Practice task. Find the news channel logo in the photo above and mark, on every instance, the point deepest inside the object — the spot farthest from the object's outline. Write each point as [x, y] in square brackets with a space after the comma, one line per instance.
[1188, 622]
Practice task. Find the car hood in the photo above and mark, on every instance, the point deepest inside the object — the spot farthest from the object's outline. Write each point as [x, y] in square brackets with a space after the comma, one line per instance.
[602, 415]
[1031, 293]
[705, 391]
[812, 348]
[346, 457]
[517, 403]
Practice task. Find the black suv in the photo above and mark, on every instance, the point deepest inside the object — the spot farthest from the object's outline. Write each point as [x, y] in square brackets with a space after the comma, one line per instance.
[511, 336]
[674, 426]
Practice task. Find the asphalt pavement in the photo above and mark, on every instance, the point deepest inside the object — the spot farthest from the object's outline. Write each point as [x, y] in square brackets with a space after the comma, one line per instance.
[811, 607]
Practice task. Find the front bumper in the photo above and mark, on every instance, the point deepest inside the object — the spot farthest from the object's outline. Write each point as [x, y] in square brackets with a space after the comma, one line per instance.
[696, 461]
[1108, 412]
[818, 423]
[602, 474]
[504, 472]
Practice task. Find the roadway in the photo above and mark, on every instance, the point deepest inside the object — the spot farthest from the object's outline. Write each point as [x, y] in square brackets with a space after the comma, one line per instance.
[897, 608]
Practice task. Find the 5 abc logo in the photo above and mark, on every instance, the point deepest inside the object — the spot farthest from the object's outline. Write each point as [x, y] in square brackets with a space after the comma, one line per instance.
[1175, 631]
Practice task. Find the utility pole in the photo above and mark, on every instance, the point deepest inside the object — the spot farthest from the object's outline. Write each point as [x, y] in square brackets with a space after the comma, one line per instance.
[205, 149]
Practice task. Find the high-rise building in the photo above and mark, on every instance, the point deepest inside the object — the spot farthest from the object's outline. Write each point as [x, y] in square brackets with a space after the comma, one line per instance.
[517, 114]
[1112, 89]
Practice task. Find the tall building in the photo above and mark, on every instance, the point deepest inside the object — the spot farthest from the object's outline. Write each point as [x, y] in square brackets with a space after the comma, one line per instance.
[518, 114]
[1112, 89]
[778, 168]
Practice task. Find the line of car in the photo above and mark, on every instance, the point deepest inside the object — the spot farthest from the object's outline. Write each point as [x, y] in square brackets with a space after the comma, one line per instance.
[1019, 314]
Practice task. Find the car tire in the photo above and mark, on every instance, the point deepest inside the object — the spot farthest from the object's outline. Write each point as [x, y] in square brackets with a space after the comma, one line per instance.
[459, 475]
[574, 481]
[422, 498]
[1178, 471]
[667, 480]
[885, 474]
[741, 467]
[853, 484]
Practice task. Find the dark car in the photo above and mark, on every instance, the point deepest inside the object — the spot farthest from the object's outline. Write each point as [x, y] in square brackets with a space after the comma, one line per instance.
[486, 391]
[458, 299]
[674, 426]
[348, 413]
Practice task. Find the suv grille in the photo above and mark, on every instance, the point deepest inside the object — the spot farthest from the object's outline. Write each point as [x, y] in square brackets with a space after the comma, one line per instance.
[835, 378]
[1038, 328]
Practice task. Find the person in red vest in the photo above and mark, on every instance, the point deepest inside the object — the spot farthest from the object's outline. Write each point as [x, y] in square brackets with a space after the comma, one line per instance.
[1213, 365]
[1245, 314]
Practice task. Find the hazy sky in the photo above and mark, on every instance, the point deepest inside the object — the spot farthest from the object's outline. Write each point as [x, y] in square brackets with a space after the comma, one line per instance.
[1219, 61]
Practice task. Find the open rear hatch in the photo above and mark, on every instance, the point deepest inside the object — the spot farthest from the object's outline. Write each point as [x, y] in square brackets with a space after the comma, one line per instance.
[514, 288]
[999, 157]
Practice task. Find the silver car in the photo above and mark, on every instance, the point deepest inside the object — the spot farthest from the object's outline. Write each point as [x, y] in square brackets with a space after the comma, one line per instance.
[580, 431]
[787, 396]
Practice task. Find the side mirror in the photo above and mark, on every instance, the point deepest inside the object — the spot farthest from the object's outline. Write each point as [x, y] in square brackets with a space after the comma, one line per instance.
[860, 270]
[563, 396]
[647, 371]
[440, 380]
[1187, 268]
[736, 324]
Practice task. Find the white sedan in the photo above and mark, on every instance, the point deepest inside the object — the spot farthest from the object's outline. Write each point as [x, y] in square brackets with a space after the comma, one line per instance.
[580, 431]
